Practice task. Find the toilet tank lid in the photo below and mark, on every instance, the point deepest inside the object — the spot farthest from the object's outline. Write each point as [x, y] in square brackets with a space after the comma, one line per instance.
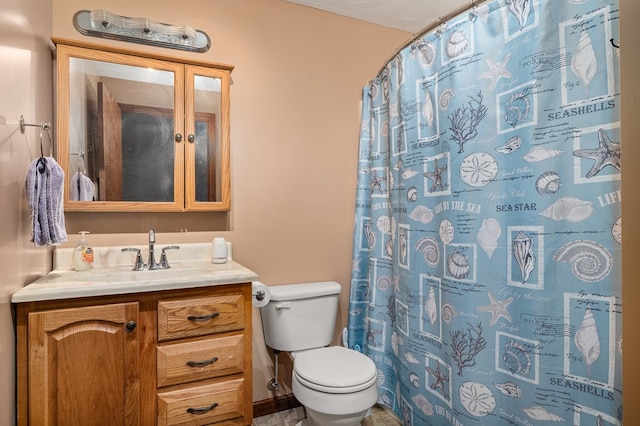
[304, 291]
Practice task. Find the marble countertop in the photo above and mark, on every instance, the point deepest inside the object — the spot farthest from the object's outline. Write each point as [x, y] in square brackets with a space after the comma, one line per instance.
[112, 274]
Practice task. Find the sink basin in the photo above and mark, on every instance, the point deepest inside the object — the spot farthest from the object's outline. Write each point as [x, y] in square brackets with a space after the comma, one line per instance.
[138, 276]
[112, 274]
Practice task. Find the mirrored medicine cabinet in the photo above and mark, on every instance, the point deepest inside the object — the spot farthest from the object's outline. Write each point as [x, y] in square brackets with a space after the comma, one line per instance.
[139, 132]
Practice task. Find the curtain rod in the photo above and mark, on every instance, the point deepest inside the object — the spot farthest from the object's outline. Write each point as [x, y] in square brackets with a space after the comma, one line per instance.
[431, 26]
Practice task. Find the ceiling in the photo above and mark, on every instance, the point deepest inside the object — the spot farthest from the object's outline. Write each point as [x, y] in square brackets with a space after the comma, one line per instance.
[407, 15]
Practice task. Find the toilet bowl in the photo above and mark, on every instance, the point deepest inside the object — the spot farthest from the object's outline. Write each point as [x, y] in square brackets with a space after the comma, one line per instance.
[336, 385]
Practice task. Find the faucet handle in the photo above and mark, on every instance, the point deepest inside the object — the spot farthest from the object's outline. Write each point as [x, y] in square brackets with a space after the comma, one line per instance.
[139, 266]
[164, 263]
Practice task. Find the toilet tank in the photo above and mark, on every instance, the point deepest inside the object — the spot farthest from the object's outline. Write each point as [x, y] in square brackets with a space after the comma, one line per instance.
[300, 316]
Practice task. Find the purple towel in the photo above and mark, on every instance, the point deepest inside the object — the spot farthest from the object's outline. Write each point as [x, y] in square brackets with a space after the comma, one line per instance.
[81, 188]
[44, 188]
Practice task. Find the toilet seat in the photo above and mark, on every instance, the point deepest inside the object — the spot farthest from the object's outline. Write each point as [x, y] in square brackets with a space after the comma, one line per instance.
[334, 369]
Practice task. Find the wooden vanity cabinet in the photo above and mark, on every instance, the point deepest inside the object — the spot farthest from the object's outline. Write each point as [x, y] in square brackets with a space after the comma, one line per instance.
[178, 357]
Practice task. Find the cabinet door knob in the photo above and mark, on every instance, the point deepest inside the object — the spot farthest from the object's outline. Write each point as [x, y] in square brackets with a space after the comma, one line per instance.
[191, 138]
[131, 325]
[178, 137]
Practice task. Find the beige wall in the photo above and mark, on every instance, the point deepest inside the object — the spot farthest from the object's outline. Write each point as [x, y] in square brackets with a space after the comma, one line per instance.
[25, 88]
[295, 98]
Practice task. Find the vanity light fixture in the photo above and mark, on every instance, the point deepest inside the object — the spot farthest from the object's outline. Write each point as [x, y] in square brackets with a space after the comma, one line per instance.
[104, 24]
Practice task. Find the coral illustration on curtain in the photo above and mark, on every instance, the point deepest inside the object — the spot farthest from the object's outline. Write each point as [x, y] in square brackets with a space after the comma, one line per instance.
[486, 281]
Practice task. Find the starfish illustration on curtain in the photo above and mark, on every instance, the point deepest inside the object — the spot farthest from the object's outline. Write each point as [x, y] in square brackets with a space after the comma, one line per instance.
[436, 176]
[498, 309]
[439, 379]
[497, 70]
[606, 154]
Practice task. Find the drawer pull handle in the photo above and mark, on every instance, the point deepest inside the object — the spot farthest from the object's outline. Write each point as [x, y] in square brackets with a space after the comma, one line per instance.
[202, 410]
[203, 317]
[202, 363]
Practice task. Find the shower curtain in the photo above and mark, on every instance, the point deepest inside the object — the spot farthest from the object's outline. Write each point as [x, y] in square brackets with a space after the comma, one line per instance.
[486, 282]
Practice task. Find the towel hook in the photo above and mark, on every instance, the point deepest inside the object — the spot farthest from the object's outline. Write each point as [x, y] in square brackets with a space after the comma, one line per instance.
[44, 125]
[80, 163]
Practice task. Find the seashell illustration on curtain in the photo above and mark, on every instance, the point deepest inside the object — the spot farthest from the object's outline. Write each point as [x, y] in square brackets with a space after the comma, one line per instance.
[488, 235]
[445, 98]
[587, 340]
[540, 153]
[457, 44]
[510, 389]
[429, 248]
[514, 143]
[517, 358]
[431, 307]
[521, 9]
[538, 412]
[458, 265]
[584, 63]
[448, 312]
[423, 404]
[425, 51]
[548, 183]
[590, 261]
[517, 109]
[427, 108]
[422, 214]
[571, 209]
[523, 253]
[369, 235]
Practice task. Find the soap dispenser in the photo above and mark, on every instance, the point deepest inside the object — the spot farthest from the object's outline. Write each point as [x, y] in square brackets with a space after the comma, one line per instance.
[82, 254]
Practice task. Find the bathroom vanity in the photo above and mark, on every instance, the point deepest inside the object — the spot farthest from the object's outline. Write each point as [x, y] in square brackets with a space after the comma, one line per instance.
[121, 347]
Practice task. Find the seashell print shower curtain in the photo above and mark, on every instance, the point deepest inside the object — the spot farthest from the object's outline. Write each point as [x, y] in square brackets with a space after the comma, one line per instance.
[486, 282]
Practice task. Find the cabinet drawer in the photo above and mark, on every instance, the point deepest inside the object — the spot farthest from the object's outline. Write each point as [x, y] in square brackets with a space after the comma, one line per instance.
[200, 316]
[203, 359]
[202, 405]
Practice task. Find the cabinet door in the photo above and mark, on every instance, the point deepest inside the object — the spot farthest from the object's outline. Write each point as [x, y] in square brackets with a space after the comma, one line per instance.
[120, 119]
[207, 158]
[84, 366]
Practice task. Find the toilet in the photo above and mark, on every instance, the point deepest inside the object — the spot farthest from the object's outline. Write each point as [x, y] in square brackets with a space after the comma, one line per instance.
[336, 385]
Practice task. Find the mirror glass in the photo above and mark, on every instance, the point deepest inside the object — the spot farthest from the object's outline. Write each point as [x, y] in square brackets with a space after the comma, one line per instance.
[121, 132]
[207, 138]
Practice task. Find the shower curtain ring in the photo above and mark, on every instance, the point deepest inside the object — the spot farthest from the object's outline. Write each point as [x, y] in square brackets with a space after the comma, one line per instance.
[440, 24]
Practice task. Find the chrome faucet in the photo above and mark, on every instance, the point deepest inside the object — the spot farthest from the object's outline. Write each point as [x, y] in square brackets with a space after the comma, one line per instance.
[151, 264]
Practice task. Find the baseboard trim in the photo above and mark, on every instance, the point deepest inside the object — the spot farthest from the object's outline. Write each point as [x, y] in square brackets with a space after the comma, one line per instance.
[273, 405]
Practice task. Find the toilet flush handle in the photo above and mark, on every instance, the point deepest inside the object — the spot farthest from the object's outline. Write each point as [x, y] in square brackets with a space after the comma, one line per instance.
[281, 306]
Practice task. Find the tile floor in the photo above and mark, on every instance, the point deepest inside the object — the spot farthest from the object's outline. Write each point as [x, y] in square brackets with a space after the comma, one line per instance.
[379, 417]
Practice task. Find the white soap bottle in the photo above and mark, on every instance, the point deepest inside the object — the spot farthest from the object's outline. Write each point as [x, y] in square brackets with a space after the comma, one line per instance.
[82, 254]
